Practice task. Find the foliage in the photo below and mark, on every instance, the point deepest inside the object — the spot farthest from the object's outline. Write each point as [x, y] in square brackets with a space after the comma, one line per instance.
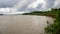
[1, 14]
[55, 27]
[51, 28]
[43, 13]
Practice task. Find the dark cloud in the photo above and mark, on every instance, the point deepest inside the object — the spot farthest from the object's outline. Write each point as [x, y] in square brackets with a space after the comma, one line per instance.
[35, 9]
[57, 6]
[39, 6]
[50, 3]
[11, 3]
[7, 3]
[23, 8]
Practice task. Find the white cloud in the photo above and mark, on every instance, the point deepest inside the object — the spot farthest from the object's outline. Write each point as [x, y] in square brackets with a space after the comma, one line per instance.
[35, 4]
[57, 4]
[9, 11]
[30, 5]
[4, 9]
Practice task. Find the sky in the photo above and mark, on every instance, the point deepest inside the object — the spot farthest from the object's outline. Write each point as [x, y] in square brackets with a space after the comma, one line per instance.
[28, 5]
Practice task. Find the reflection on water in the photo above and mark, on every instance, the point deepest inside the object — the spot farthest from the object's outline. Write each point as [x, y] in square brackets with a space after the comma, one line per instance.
[23, 24]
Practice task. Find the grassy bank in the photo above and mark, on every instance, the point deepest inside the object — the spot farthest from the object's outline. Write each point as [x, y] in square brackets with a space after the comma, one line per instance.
[55, 27]
[51, 28]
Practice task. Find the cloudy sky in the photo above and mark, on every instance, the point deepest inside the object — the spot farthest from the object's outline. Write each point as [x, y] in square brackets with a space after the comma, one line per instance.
[29, 5]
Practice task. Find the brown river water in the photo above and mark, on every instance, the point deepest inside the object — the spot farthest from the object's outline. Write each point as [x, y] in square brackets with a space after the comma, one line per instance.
[23, 24]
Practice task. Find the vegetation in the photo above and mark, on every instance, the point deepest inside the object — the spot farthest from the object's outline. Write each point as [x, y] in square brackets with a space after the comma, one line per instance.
[1, 14]
[43, 13]
[51, 28]
[55, 27]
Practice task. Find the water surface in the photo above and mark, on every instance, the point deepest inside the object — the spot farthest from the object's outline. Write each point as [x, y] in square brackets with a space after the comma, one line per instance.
[23, 24]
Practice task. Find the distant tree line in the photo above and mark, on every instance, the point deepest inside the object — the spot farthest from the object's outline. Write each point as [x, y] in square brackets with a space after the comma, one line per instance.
[51, 13]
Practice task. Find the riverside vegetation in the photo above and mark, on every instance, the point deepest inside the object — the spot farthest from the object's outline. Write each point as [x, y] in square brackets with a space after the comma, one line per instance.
[51, 28]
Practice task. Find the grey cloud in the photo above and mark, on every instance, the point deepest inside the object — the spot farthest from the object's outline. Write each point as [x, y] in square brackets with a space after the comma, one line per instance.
[37, 8]
[23, 8]
[50, 3]
[7, 3]
[57, 4]
[11, 3]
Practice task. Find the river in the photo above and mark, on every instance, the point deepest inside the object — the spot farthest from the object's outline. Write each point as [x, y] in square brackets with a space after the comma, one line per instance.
[23, 24]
